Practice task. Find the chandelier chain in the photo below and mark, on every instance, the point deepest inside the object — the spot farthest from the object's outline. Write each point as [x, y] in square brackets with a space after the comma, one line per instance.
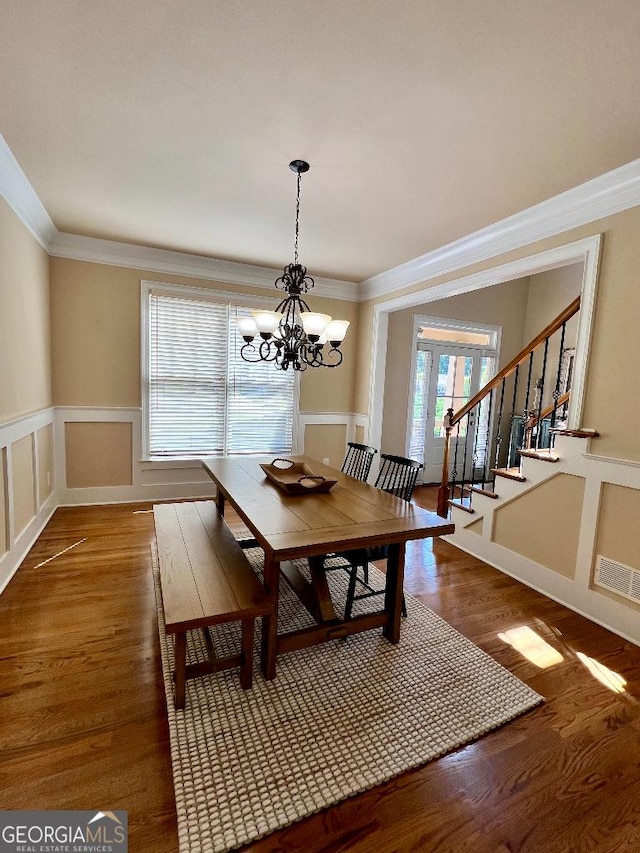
[295, 253]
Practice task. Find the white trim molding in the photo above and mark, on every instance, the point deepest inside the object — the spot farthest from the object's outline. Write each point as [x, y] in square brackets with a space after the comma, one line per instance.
[112, 253]
[21, 197]
[605, 195]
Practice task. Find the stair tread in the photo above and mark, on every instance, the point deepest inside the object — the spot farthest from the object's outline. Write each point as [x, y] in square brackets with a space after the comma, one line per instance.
[576, 433]
[542, 455]
[459, 505]
[509, 474]
[486, 492]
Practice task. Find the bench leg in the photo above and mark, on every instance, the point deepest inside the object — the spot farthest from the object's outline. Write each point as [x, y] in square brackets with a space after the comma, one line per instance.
[180, 653]
[246, 666]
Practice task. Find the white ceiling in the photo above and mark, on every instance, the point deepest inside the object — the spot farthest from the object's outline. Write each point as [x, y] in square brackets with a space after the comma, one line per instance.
[171, 124]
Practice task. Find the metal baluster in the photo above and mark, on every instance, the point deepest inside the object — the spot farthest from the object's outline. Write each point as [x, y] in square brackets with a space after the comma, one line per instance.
[474, 453]
[541, 395]
[454, 473]
[556, 391]
[487, 449]
[498, 438]
[527, 429]
[464, 462]
[513, 411]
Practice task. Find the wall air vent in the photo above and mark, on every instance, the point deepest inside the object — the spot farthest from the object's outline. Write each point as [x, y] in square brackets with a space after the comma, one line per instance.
[618, 578]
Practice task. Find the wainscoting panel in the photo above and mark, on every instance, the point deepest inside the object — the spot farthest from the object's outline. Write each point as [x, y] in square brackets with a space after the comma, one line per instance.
[90, 455]
[600, 514]
[27, 497]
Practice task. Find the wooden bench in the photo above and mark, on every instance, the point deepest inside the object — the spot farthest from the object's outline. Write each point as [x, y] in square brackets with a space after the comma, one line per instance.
[205, 580]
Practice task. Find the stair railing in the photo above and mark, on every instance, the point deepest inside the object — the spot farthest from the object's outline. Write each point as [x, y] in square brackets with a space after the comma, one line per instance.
[469, 428]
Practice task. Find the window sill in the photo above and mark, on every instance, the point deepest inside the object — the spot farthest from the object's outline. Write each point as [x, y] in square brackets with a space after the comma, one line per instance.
[173, 462]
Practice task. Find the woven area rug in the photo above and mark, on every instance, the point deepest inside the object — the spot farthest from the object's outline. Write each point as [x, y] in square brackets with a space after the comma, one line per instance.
[339, 718]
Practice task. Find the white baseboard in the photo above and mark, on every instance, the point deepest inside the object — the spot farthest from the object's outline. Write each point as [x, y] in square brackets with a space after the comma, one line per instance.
[137, 494]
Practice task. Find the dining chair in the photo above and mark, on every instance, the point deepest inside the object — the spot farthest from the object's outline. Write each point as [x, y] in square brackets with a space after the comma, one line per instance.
[357, 462]
[398, 476]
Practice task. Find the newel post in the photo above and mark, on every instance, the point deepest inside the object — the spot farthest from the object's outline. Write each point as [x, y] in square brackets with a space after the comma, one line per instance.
[443, 491]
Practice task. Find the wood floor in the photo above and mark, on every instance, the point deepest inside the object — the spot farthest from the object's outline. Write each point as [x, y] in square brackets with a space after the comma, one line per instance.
[83, 720]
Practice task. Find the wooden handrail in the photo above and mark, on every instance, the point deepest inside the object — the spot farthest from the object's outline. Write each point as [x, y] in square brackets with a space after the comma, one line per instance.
[567, 314]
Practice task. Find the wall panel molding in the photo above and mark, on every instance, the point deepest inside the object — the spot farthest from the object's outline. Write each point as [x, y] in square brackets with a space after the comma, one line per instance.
[580, 594]
[19, 542]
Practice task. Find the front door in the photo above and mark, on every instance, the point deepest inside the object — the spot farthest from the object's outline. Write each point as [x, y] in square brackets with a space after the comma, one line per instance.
[447, 376]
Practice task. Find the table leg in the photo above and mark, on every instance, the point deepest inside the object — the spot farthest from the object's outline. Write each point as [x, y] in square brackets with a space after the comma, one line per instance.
[180, 655]
[270, 622]
[220, 500]
[393, 593]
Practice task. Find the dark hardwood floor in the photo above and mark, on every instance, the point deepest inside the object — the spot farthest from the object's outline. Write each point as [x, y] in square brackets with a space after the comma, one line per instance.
[83, 718]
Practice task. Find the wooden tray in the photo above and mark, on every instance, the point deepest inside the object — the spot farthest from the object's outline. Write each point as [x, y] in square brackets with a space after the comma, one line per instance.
[296, 478]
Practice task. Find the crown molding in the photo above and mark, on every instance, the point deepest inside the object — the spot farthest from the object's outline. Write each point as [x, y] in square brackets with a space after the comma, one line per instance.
[23, 199]
[605, 195]
[112, 253]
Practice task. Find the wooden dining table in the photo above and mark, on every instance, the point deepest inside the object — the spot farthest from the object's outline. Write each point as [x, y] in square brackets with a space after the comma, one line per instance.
[288, 527]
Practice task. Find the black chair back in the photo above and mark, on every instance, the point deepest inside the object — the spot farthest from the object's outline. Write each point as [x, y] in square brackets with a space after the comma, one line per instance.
[357, 462]
[398, 475]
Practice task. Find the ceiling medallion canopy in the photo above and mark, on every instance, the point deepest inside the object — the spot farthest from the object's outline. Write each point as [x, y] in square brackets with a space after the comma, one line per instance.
[293, 335]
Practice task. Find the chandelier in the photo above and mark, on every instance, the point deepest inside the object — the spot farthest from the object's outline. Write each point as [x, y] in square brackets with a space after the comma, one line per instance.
[292, 335]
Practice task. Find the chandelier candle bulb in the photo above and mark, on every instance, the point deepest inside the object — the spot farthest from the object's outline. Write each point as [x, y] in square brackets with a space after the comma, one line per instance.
[314, 324]
[336, 331]
[267, 321]
[247, 327]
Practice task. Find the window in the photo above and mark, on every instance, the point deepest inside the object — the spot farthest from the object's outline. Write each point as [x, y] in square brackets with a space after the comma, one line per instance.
[200, 397]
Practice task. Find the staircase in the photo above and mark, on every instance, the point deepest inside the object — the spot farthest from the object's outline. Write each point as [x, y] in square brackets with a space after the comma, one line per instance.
[513, 431]
[536, 467]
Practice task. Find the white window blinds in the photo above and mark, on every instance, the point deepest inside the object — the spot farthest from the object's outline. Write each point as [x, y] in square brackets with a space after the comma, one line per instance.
[203, 398]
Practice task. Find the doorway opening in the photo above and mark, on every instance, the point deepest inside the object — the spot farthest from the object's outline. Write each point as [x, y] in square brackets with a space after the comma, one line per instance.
[452, 361]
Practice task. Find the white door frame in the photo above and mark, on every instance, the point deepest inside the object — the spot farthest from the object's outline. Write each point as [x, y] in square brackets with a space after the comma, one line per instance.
[586, 251]
[444, 323]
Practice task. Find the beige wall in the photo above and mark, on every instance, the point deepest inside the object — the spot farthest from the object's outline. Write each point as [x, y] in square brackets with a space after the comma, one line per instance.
[543, 524]
[25, 358]
[549, 294]
[503, 305]
[98, 454]
[96, 338]
[324, 441]
[96, 362]
[613, 358]
[23, 480]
